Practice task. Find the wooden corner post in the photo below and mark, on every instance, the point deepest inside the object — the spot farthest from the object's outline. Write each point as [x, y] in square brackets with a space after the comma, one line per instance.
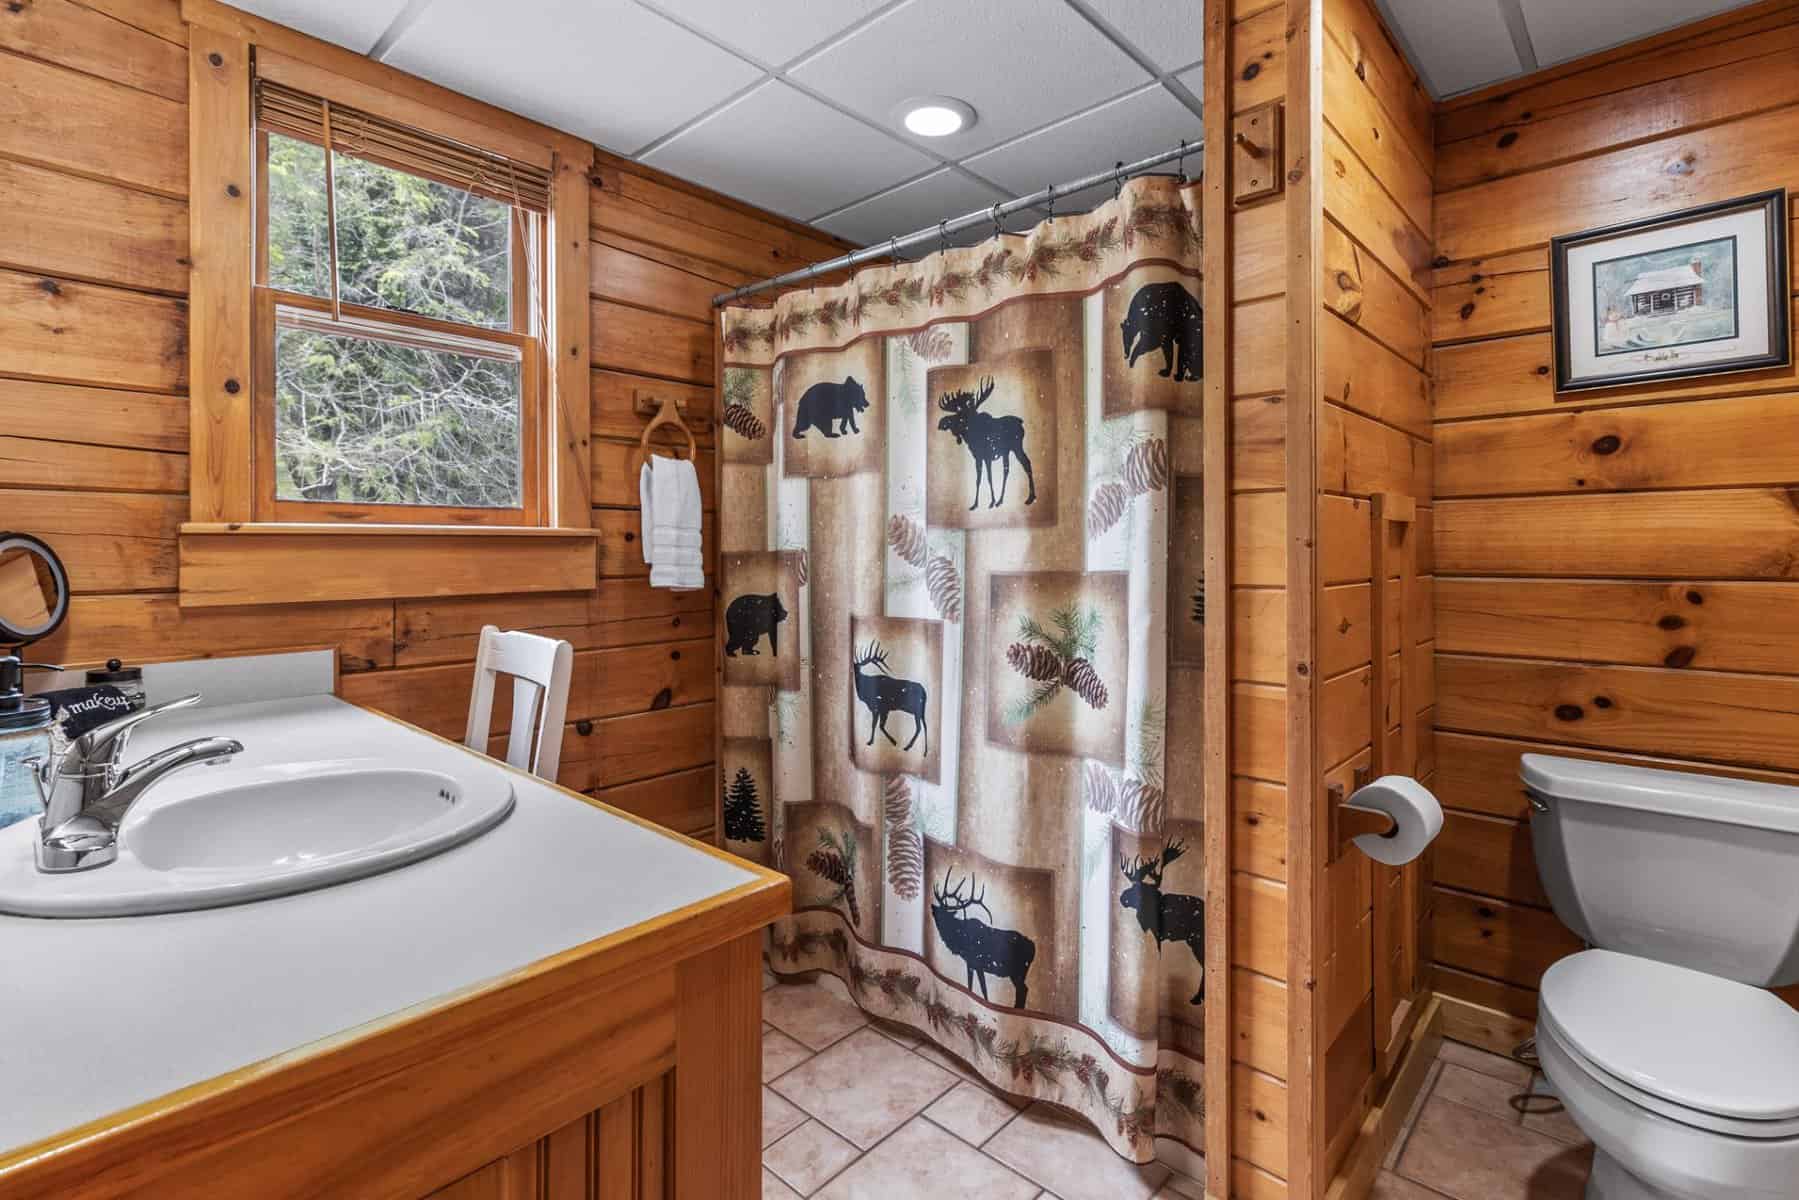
[1215, 486]
[221, 200]
[1306, 833]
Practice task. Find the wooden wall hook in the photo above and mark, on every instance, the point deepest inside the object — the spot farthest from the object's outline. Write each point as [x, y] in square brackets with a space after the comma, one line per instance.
[667, 412]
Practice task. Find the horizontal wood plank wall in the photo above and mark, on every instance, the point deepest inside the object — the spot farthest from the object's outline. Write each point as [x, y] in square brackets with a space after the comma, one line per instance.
[1374, 436]
[94, 261]
[1598, 603]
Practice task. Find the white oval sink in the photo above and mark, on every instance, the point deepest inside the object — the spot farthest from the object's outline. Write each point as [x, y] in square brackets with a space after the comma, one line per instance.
[259, 832]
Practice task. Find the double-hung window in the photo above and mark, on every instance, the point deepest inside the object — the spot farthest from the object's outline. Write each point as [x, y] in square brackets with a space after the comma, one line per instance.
[398, 323]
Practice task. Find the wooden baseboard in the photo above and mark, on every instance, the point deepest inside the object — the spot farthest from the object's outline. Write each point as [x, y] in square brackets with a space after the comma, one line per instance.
[1381, 1126]
[1482, 1027]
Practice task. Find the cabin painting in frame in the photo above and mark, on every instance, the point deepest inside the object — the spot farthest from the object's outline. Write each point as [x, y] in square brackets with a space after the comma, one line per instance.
[1697, 292]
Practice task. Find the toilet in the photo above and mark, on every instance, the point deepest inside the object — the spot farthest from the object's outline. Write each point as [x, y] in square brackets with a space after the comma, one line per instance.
[1661, 1040]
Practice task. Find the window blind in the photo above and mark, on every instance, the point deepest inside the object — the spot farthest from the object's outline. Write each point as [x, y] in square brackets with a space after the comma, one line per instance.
[281, 109]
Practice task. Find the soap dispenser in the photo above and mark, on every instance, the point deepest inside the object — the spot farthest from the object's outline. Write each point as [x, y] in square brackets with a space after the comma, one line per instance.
[25, 724]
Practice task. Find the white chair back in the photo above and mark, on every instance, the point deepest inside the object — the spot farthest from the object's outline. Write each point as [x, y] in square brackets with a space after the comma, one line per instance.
[540, 668]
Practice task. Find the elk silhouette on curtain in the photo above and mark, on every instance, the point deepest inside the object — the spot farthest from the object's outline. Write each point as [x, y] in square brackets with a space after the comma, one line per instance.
[951, 481]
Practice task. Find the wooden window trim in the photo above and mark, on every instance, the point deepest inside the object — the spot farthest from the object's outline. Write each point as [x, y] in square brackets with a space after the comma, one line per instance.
[227, 555]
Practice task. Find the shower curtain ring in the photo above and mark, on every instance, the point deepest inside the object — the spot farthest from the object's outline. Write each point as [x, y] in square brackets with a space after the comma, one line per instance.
[1118, 179]
[893, 249]
[1052, 204]
[993, 215]
[1181, 163]
[811, 277]
[943, 236]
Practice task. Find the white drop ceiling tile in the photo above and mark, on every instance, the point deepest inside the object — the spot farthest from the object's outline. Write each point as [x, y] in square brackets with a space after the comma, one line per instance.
[608, 70]
[1171, 32]
[774, 31]
[1560, 30]
[1018, 64]
[355, 24]
[778, 148]
[1458, 44]
[1129, 128]
[937, 197]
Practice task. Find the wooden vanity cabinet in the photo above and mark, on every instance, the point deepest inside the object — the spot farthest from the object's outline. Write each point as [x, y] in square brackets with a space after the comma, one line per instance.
[628, 1068]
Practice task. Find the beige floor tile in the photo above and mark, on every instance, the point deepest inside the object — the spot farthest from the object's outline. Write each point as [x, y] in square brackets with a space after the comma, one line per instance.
[808, 1156]
[774, 1189]
[809, 1014]
[780, 1053]
[779, 1118]
[1388, 1186]
[1469, 1155]
[865, 1087]
[1547, 1115]
[1488, 1093]
[1066, 1156]
[1496, 1065]
[972, 1112]
[924, 1162]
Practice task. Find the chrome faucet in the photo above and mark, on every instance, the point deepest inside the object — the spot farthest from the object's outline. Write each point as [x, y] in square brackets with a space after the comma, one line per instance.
[86, 792]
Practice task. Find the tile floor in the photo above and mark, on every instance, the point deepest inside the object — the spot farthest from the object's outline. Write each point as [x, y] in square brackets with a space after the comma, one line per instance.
[1465, 1139]
[859, 1110]
[854, 1109]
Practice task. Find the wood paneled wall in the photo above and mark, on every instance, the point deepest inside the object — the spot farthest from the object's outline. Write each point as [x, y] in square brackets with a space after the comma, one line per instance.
[94, 261]
[1372, 437]
[1612, 604]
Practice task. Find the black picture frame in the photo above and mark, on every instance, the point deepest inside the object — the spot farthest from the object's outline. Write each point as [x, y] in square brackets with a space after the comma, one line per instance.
[1773, 205]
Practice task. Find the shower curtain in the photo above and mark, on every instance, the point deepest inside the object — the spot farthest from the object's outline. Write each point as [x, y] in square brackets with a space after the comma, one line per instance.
[944, 523]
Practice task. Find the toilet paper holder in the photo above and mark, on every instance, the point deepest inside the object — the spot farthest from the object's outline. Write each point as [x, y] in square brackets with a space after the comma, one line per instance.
[1350, 821]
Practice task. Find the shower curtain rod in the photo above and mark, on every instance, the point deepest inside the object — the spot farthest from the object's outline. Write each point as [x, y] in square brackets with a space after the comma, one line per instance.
[995, 213]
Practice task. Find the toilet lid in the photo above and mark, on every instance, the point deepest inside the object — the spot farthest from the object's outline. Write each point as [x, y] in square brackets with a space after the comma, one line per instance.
[1705, 1043]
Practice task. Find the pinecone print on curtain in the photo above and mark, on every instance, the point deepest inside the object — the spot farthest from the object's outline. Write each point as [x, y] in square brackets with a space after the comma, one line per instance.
[1057, 657]
[907, 537]
[1058, 662]
[739, 413]
[835, 860]
[1133, 803]
[905, 848]
[1144, 470]
[746, 409]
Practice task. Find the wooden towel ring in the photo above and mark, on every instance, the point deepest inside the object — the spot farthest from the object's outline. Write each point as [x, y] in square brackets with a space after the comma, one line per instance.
[668, 412]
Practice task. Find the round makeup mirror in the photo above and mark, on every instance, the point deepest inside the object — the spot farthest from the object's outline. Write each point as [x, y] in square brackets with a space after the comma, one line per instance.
[34, 589]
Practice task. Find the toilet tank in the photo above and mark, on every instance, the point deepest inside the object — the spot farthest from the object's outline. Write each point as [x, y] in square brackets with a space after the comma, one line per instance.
[1697, 870]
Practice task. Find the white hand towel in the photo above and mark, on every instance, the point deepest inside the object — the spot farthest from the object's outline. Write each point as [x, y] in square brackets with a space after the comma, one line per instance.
[669, 492]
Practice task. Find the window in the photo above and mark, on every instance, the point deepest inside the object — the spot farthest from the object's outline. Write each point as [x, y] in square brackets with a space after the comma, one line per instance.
[398, 323]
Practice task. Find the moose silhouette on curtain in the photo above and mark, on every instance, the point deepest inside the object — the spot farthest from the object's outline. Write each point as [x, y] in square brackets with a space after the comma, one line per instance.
[989, 439]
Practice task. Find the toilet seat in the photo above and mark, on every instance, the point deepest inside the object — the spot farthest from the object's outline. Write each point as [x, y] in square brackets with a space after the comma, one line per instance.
[1704, 1051]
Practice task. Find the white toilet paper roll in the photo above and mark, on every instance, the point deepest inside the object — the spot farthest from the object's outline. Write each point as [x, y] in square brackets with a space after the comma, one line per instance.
[1412, 807]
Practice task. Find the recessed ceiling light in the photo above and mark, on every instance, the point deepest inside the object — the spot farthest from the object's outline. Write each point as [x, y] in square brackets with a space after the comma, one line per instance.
[934, 116]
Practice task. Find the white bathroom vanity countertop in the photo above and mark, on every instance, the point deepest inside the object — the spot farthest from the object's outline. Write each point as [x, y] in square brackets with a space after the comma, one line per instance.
[98, 1015]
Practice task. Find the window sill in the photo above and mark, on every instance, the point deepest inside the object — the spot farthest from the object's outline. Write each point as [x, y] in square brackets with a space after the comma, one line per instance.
[248, 563]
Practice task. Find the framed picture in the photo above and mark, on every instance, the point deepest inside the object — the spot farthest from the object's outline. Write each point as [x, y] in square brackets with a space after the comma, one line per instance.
[1699, 292]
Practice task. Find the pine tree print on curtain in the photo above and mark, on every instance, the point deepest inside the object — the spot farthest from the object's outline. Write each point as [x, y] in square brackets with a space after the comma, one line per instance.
[963, 515]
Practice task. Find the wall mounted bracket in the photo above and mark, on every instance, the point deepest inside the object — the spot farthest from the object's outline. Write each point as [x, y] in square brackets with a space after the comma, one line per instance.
[1257, 162]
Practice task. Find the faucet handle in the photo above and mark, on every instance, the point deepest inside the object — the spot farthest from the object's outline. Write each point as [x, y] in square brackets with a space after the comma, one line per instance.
[106, 743]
